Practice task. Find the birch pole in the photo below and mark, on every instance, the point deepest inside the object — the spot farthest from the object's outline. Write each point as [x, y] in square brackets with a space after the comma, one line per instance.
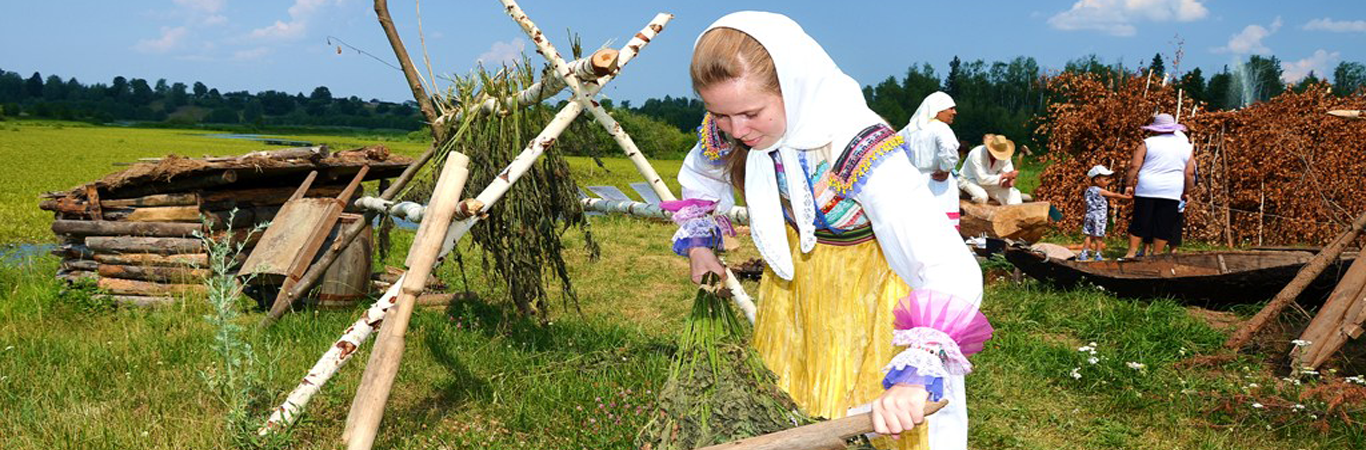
[368, 408]
[546, 49]
[340, 353]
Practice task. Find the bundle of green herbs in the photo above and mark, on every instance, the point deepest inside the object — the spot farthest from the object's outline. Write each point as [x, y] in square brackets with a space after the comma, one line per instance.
[718, 389]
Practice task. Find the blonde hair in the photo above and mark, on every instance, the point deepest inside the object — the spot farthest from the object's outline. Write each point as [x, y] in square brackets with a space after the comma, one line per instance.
[724, 54]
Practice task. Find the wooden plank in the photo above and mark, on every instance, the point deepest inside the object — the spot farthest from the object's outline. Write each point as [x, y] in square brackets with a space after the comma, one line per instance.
[119, 286]
[162, 245]
[153, 273]
[154, 259]
[287, 235]
[1326, 331]
[316, 236]
[112, 228]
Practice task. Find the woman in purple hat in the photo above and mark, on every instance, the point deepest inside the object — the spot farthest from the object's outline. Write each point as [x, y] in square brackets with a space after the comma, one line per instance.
[1161, 176]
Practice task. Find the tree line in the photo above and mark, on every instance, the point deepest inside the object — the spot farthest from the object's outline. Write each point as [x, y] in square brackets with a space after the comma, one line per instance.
[1003, 97]
[136, 99]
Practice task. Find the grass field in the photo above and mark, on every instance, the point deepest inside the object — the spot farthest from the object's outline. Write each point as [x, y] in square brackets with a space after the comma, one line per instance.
[76, 373]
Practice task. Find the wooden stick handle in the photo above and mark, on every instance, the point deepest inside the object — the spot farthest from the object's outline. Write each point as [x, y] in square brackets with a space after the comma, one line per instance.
[817, 436]
[368, 407]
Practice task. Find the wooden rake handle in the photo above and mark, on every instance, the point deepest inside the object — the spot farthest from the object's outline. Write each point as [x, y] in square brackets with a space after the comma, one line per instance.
[828, 435]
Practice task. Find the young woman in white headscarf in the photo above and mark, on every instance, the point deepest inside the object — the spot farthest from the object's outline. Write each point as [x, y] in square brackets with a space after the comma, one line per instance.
[869, 299]
[934, 149]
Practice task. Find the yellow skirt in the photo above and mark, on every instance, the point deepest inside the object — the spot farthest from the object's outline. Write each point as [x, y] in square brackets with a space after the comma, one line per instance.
[828, 333]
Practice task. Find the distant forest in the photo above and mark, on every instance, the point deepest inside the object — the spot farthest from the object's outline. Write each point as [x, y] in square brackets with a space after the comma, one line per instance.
[1003, 97]
[998, 97]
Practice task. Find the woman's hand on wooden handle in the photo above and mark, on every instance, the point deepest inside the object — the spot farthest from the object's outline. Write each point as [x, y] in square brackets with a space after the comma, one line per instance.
[900, 409]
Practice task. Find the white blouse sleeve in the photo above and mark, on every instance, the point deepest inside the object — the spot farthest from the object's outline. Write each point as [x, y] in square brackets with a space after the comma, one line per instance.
[916, 237]
[702, 178]
[947, 143]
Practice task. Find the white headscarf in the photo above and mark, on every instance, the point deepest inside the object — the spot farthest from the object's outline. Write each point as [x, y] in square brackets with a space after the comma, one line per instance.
[823, 107]
[929, 108]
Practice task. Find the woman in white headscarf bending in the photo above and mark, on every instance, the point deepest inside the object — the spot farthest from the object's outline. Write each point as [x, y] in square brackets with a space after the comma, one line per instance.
[869, 300]
[934, 149]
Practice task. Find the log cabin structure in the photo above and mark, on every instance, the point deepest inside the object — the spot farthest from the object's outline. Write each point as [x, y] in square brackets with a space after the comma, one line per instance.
[133, 232]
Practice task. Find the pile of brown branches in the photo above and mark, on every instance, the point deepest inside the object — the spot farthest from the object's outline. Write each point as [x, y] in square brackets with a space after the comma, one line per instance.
[1280, 172]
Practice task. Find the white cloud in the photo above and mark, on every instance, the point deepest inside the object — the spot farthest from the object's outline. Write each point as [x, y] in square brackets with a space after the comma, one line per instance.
[171, 39]
[503, 53]
[1319, 63]
[299, 16]
[1249, 41]
[1337, 26]
[1117, 17]
[281, 30]
[250, 54]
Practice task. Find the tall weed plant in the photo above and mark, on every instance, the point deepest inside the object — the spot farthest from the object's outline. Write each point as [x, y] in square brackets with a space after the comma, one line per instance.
[235, 378]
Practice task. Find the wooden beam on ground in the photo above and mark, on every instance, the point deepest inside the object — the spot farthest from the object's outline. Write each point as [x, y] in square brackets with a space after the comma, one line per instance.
[1306, 275]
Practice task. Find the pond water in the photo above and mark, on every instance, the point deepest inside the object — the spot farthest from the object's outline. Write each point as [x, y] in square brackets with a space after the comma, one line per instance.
[269, 140]
[22, 254]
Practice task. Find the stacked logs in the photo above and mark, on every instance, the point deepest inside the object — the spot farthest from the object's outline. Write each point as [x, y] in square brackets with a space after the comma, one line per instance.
[1279, 172]
[133, 233]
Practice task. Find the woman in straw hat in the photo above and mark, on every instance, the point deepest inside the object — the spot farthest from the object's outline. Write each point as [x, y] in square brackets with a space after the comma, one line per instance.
[934, 149]
[869, 299]
[1161, 176]
[988, 172]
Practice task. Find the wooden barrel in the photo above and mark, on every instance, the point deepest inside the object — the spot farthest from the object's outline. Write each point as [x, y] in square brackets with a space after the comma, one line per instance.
[347, 282]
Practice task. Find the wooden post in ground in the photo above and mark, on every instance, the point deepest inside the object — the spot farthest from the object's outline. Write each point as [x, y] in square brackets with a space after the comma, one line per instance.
[1287, 295]
[368, 407]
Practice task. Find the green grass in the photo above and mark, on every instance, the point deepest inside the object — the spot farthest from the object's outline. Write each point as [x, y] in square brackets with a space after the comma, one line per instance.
[76, 373]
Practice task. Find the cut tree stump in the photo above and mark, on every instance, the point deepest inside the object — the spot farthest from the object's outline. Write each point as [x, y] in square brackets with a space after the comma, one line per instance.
[1022, 222]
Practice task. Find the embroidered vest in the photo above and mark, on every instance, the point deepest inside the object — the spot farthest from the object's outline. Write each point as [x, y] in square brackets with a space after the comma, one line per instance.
[840, 219]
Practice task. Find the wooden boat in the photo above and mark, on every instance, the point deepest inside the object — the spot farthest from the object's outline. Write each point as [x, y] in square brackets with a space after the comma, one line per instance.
[1208, 278]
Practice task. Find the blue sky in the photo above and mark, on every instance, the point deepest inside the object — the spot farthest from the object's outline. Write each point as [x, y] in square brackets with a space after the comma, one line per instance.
[283, 45]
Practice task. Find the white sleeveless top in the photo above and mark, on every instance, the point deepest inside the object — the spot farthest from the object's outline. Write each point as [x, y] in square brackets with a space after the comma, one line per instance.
[1163, 174]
